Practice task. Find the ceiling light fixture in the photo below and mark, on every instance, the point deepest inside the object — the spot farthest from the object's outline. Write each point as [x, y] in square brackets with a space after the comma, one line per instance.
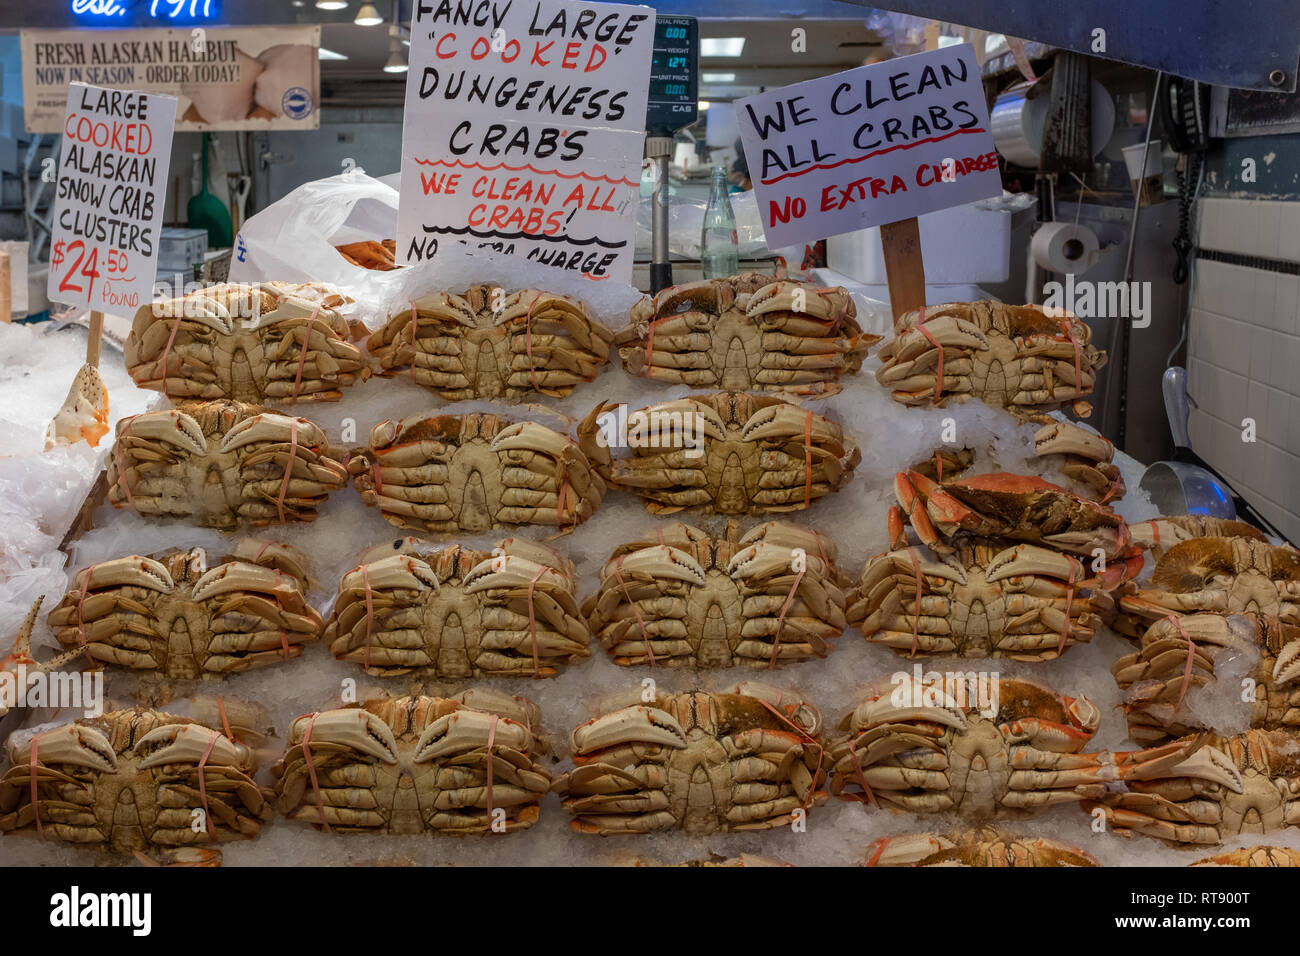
[722, 46]
[703, 106]
[325, 54]
[368, 16]
[331, 4]
[396, 57]
[717, 77]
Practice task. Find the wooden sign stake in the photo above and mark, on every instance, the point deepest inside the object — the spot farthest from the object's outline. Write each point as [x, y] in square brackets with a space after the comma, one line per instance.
[96, 334]
[904, 269]
[6, 289]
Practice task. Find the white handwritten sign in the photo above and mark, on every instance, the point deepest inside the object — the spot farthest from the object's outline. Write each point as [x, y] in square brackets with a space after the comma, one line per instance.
[524, 131]
[869, 146]
[108, 206]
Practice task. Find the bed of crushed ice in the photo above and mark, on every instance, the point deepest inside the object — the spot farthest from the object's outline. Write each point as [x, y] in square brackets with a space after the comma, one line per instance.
[39, 493]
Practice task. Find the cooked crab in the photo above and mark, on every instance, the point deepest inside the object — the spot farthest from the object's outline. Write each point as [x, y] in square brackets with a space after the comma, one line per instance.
[682, 598]
[1160, 534]
[983, 847]
[1089, 458]
[1019, 507]
[133, 781]
[458, 612]
[978, 746]
[989, 598]
[742, 760]
[175, 617]
[1180, 652]
[746, 333]
[1254, 856]
[1008, 356]
[260, 342]
[222, 464]
[414, 765]
[1222, 575]
[728, 453]
[474, 472]
[489, 343]
[1209, 787]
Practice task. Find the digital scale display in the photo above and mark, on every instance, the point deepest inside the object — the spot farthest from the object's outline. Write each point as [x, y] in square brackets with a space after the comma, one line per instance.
[674, 75]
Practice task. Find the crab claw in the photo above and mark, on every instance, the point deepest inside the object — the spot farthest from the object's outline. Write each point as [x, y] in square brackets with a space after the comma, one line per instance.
[173, 427]
[1067, 438]
[187, 743]
[135, 570]
[663, 561]
[1287, 667]
[530, 436]
[640, 725]
[74, 744]
[514, 572]
[267, 426]
[398, 571]
[759, 560]
[1024, 559]
[467, 730]
[787, 421]
[358, 730]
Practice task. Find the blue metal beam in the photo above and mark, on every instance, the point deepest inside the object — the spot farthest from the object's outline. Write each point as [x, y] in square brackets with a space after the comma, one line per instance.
[1242, 45]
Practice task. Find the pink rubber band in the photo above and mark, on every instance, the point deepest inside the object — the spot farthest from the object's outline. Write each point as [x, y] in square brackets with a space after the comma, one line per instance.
[492, 736]
[203, 787]
[162, 361]
[938, 382]
[121, 464]
[370, 617]
[862, 777]
[288, 467]
[415, 321]
[1078, 359]
[532, 620]
[780, 621]
[821, 751]
[311, 771]
[645, 635]
[1069, 602]
[85, 589]
[302, 355]
[1191, 656]
[916, 617]
[807, 459]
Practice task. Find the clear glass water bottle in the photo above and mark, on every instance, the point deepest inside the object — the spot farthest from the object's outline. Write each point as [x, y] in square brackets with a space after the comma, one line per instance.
[719, 248]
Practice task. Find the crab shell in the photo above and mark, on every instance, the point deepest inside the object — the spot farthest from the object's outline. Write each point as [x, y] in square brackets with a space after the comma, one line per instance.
[489, 343]
[702, 762]
[989, 599]
[983, 847]
[84, 413]
[1160, 534]
[1020, 507]
[976, 747]
[133, 781]
[266, 342]
[1219, 575]
[20, 654]
[175, 617]
[475, 472]
[746, 333]
[1208, 788]
[681, 598]
[1088, 458]
[222, 464]
[412, 765]
[1261, 856]
[1156, 679]
[727, 453]
[459, 613]
[1007, 356]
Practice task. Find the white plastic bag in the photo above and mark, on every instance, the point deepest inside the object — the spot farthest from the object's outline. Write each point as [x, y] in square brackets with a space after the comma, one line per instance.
[293, 240]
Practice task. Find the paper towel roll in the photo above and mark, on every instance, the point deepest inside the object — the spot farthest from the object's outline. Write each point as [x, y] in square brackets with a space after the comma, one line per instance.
[1065, 248]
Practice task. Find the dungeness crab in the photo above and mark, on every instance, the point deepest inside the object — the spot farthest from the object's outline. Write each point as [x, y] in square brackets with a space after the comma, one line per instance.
[222, 464]
[265, 342]
[727, 453]
[458, 612]
[746, 333]
[488, 343]
[682, 598]
[133, 781]
[175, 617]
[983, 847]
[412, 765]
[473, 472]
[747, 759]
[1008, 356]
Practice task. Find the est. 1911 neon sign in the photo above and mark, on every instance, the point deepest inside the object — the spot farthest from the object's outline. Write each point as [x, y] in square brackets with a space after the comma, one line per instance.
[187, 10]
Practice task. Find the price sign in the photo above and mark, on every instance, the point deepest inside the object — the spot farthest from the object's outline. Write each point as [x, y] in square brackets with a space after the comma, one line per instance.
[108, 207]
[674, 75]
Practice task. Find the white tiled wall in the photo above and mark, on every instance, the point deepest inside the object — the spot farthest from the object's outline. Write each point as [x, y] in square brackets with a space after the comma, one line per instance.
[1244, 355]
